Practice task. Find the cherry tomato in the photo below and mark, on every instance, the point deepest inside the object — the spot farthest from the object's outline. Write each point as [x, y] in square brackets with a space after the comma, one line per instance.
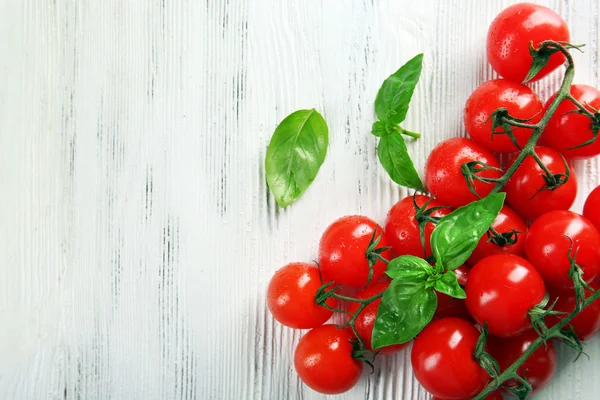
[567, 129]
[523, 190]
[496, 395]
[402, 228]
[448, 306]
[443, 171]
[442, 359]
[342, 251]
[291, 297]
[519, 101]
[547, 245]
[587, 323]
[539, 367]
[366, 318]
[323, 360]
[501, 289]
[511, 32]
[506, 222]
[591, 208]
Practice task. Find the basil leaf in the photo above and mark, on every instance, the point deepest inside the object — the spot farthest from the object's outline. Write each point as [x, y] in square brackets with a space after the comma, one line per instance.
[406, 308]
[295, 154]
[393, 98]
[409, 267]
[448, 284]
[394, 158]
[379, 129]
[456, 235]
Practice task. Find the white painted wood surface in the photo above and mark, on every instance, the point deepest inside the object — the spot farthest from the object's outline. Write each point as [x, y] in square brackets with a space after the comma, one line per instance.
[138, 233]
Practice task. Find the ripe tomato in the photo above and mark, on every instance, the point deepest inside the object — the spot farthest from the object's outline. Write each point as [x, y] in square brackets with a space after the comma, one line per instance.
[547, 246]
[443, 175]
[523, 188]
[591, 208]
[501, 289]
[402, 228]
[323, 360]
[511, 32]
[366, 318]
[342, 251]
[291, 297]
[496, 395]
[539, 367]
[519, 101]
[449, 307]
[587, 323]
[442, 359]
[567, 129]
[507, 221]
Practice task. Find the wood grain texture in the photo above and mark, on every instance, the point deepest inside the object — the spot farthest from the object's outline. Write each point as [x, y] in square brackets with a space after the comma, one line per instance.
[138, 232]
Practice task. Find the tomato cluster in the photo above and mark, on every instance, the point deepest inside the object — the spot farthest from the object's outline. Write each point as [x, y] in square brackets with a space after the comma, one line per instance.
[534, 250]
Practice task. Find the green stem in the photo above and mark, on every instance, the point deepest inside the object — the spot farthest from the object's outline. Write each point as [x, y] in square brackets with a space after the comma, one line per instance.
[539, 161]
[406, 132]
[581, 107]
[511, 371]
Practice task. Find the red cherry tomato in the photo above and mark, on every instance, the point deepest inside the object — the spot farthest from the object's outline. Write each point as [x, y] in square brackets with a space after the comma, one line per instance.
[366, 318]
[442, 359]
[591, 208]
[402, 229]
[539, 367]
[519, 101]
[511, 32]
[506, 222]
[492, 396]
[547, 246]
[449, 307]
[323, 360]
[342, 251]
[566, 129]
[523, 188]
[501, 289]
[443, 171]
[587, 323]
[291, 297]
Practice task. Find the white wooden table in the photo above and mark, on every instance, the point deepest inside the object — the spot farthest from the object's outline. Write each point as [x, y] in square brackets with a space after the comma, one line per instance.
[138, 234]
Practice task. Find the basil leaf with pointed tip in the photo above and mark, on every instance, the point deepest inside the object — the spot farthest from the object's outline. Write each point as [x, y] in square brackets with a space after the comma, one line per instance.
[395, 159]
[409, 267]
[448, 284]
[295, 154]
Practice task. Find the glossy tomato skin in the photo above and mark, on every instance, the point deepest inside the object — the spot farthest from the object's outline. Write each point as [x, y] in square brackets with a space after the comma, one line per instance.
[366, 319]
[443, 171]
[587, 323]
[505, 222]
[511, 32]
[323, 360]
[523, 188]
[492, 396]
[450, 307]
[519, 101]
[501, 289]
[402, 229]
[442, 359]
[539, 367]
[566, 129]
[291, 293]
[547, 246]
[591, 208]
[342, 251]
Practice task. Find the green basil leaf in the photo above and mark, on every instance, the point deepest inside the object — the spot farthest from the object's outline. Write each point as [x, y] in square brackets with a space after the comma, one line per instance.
[448, 284]
[393, 98]
[406, 308]
[457, 234]
[295, 154]
[379, 129]
[394, 158]
[409, 267]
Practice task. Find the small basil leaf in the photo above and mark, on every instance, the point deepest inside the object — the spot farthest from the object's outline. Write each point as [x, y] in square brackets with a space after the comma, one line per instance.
[457, 234]
[295, 154]
[393, 98]
[379, 129]
[448, 284]
[409, 267]
[394, 158]
[406, 308]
